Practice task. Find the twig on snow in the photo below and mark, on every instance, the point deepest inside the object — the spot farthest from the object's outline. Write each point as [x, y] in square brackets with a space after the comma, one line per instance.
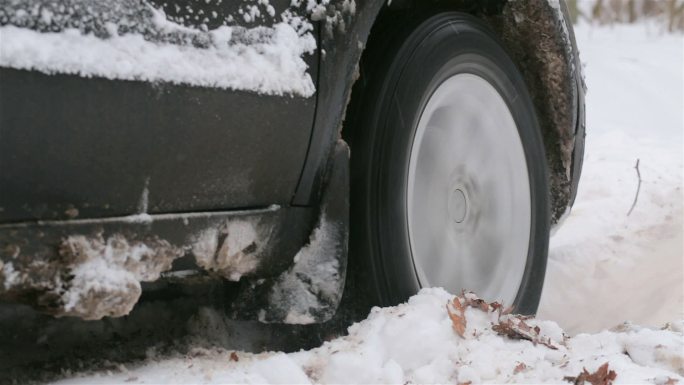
[638, 188]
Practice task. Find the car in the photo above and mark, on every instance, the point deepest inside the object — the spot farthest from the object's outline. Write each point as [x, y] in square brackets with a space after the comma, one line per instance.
[280, 144]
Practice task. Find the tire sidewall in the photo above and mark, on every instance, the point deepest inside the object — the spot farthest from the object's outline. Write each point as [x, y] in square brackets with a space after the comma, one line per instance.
[441, 47]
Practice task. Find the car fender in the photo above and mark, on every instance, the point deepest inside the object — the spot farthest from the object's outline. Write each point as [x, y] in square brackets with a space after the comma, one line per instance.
[549, 62]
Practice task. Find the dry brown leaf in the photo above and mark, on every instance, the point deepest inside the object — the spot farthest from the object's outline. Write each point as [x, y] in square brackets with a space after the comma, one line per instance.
[602, 376]
[472, 300]
[234, 357]
[514, 327]
[456, 312]
[519, 368]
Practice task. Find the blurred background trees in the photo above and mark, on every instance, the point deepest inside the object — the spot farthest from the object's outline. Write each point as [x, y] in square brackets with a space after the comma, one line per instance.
[670, 13]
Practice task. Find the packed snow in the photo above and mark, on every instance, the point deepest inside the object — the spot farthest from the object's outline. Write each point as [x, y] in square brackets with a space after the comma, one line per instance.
[606, 267]
[268, 60]
[416, 342]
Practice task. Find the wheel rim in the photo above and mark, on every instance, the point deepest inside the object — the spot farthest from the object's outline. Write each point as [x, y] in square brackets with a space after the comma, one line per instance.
[468, 192]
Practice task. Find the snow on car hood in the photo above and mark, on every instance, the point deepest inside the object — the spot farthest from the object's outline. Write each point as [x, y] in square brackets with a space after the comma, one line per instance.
[132, 40]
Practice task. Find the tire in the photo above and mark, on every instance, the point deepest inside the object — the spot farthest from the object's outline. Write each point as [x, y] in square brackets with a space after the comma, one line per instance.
[405, 176]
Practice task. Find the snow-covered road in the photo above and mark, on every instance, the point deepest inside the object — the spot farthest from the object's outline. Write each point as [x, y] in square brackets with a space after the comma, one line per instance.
[605, 267]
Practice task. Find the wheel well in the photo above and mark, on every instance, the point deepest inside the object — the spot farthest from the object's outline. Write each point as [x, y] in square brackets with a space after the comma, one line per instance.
[531, 31]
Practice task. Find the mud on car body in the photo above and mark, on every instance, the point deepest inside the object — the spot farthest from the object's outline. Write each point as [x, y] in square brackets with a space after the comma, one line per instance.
[264, 142]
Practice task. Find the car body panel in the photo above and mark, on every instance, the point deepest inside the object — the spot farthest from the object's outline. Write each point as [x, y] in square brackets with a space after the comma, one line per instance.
[72, 147]
[343, 39]
[92, 147]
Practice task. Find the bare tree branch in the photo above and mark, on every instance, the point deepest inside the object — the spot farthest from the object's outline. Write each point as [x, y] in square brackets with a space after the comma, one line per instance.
[638, 188]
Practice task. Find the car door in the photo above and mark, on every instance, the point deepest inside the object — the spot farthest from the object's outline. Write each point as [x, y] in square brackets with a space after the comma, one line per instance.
[122, 107]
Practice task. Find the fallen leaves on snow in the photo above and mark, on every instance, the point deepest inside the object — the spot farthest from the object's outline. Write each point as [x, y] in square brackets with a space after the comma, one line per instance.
[602, 376]
[514, 327]
[456, 312]
[510, 325]
[519, 368]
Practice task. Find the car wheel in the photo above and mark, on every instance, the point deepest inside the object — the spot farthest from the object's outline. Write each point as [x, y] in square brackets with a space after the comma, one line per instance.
[449, 176]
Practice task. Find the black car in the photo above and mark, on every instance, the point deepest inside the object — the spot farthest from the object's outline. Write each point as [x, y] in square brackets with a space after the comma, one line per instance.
[430, 142]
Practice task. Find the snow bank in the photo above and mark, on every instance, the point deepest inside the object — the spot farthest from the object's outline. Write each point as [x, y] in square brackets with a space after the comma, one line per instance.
[416, 342]
[260, 59]
[602, 262]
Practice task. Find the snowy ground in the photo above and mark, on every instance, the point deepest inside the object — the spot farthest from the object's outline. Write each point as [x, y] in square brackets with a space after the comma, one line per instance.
[415, 342]
[605, 267]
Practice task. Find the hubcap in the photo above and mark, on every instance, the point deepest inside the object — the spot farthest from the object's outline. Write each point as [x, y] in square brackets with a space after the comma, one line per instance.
[458, 206]
[468, 192]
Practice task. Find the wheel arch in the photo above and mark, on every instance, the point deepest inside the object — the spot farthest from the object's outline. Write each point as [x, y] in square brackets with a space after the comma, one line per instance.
[536, 33]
